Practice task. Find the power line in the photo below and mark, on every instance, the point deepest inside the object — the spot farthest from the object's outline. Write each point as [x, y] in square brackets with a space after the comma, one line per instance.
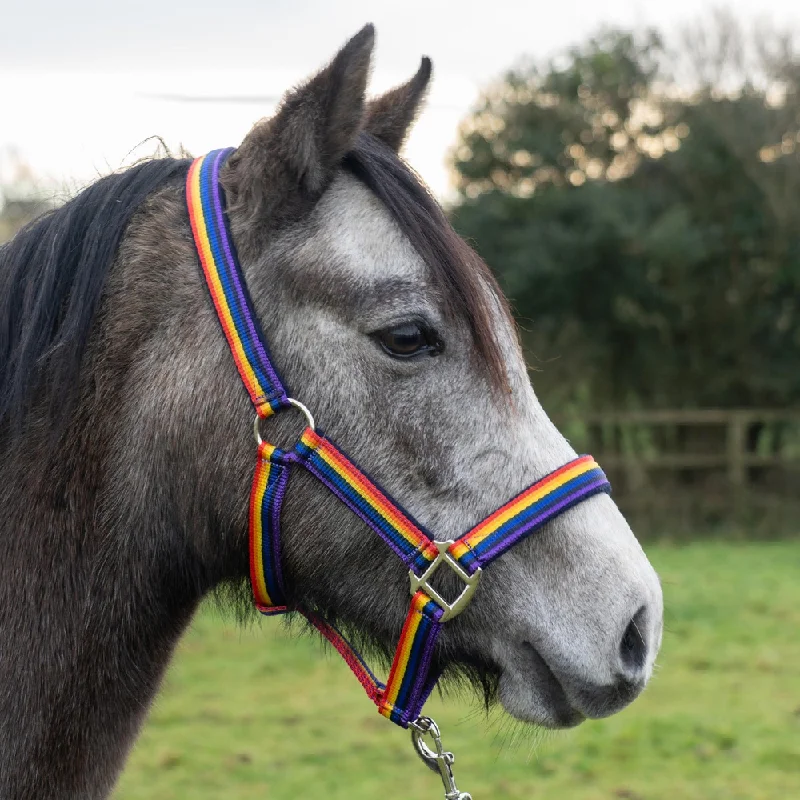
[256, 99]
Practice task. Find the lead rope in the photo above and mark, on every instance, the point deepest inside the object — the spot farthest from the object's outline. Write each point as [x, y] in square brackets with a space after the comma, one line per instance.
[439, 760]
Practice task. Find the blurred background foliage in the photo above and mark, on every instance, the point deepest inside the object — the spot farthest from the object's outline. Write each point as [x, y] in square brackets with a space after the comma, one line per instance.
[638, 199]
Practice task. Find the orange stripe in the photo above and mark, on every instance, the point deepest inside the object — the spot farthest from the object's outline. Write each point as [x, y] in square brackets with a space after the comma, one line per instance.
[211, 270]
[528, 498]
[404, 648]
[260, 480]
[366, 489]
[457, 549]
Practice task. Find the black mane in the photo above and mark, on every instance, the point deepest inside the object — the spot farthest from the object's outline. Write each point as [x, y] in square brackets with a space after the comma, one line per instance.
[53, 272]
[51, 279]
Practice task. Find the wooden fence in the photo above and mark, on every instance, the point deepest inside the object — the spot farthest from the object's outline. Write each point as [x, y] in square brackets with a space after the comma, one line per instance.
[708, 461]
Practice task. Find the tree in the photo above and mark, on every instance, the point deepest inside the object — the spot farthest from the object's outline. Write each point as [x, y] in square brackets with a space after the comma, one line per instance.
[649, 229]
[20, 202]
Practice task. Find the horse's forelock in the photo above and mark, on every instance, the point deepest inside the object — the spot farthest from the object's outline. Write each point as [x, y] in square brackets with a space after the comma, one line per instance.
[468, 286]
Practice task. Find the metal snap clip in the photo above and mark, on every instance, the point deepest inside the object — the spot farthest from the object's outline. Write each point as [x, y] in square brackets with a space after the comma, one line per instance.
[439, 760]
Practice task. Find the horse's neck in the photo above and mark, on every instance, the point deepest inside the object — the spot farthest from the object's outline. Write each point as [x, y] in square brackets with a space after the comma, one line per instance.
[95, 589]
[107, 538]
[89, 620]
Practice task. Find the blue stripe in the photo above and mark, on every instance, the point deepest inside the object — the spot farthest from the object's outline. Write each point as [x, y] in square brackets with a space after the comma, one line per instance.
[410, 671]
[516, 522]
[357, 500]
[417, 650]
[277, 393]
[467, 560]
[267, 538]
[602, 488]
[398, 506]
[222, 271]
[421, 562]
[509, 529]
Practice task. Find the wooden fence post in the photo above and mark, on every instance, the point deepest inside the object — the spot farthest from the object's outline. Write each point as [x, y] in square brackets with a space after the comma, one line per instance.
[731, 462]
[737, 468]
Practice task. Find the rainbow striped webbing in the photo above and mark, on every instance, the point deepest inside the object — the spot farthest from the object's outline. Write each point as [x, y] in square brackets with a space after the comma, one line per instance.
[215, 248]
[529, 510]
[413, 674]
[399, 530]
[266, 499]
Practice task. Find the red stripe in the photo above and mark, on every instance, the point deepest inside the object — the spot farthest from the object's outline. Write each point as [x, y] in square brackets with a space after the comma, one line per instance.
[535, 488]
[209, 270]
[371, 492]
[397, 667]
[260, 465]
[348, 654]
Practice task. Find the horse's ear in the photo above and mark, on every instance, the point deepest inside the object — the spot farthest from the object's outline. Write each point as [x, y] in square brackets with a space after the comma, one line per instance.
[390, 116]
[316, 125]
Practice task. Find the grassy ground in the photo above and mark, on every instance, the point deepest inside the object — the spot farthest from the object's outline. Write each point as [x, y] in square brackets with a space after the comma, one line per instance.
[256, 714]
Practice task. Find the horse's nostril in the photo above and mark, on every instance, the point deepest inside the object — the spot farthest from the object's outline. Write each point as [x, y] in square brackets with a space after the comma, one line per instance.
[633, 647]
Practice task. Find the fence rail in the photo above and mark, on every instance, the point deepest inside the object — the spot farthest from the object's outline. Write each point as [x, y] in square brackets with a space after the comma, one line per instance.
[699, 416]
[666, 453]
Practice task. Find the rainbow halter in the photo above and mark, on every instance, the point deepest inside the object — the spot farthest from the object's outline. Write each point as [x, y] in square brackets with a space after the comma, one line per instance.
[411, 678]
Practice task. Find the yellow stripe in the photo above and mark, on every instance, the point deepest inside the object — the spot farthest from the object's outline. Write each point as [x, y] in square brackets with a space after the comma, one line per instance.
[480, 534]
[213, 272]
[384, 509]
[458, 550]
[403, 655]
[404, 650]
[259, 491]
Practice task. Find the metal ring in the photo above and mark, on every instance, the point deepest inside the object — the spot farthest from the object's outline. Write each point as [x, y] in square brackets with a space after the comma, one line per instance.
[292, 402]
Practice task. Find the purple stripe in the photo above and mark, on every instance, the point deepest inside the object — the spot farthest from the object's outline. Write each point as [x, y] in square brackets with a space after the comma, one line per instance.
[412, 713]
[275, 526]
[406, 559]
[418, 696]
[234, 273]
[545, 516]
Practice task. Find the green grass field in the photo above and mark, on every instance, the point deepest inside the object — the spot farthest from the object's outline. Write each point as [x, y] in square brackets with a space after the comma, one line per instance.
[257, 714]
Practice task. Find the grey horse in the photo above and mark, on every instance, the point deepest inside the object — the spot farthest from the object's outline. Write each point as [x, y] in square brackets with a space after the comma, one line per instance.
[125, 458]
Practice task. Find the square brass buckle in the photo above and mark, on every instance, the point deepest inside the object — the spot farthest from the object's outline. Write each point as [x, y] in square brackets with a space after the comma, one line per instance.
[470, 581]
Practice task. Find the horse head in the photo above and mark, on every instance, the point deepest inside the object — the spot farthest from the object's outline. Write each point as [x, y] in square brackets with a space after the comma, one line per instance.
[394, 332]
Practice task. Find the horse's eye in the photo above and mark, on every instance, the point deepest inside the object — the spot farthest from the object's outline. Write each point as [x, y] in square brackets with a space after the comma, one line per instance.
[407, 340]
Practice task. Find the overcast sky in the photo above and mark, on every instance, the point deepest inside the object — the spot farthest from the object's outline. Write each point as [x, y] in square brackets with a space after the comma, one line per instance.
[82, 82]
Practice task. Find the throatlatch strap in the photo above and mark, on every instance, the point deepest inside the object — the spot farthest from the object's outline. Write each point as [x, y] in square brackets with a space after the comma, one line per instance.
[529, 510]
[372, 686]
[227, 286]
